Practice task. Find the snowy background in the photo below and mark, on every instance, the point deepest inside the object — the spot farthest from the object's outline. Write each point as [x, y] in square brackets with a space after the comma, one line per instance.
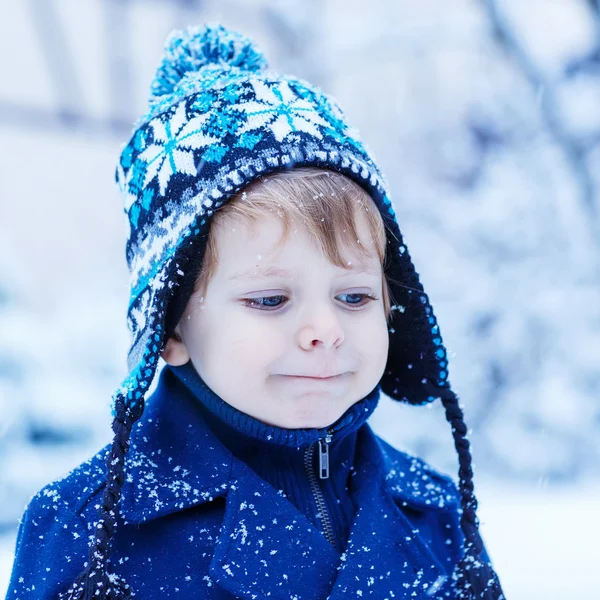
[485, 119]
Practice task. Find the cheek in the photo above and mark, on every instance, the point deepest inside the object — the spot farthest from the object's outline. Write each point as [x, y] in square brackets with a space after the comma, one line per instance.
[247, 339]
[374, 342]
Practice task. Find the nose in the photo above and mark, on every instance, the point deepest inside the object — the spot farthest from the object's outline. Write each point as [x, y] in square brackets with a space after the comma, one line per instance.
[321, 328]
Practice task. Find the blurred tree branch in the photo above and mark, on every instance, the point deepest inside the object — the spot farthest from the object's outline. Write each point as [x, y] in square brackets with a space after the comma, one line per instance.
[47, 120]
[594, 5]
[120, 75]
[58, 56]
[572, 150]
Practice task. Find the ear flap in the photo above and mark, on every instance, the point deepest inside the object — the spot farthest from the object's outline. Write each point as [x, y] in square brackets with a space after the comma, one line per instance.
[416, 352]
[189, 262]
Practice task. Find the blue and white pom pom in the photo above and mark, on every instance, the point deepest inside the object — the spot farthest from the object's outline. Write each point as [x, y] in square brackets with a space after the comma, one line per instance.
[195, 47]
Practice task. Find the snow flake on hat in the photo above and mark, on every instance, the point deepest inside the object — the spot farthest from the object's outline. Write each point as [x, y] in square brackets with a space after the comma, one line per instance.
[175, 138]
[279, 109]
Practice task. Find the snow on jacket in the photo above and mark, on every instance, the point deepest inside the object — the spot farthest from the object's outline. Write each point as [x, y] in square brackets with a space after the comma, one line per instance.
[196, 521]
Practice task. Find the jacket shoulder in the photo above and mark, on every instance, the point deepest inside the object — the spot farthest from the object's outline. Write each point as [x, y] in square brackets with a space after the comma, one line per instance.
[68, 495]
[79, 484]
[52, 540]
[416, 481]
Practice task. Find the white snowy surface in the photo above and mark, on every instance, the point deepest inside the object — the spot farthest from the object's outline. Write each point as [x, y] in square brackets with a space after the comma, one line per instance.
[542, 541]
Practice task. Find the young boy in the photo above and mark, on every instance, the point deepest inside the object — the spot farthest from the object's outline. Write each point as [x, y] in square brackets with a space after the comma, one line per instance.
[269, 272]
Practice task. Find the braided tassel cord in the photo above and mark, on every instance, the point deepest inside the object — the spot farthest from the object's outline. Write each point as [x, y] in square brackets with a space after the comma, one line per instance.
[474, 578]
[95, 582]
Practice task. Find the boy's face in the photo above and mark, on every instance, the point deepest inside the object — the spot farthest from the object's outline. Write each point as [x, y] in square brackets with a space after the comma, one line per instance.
[255, 342]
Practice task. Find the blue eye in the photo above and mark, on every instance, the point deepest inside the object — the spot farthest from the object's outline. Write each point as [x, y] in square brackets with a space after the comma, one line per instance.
[266, 301]
[271, 303]
[360, 298]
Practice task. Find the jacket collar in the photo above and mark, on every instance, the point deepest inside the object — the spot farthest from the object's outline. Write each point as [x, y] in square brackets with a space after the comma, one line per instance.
[174, 460]
[277, 553]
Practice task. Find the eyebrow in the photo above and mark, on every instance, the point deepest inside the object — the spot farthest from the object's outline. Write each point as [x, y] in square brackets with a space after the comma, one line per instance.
[254, 274]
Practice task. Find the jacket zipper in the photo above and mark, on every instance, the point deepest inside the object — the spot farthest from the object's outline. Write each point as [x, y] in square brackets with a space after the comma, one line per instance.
[323, 446]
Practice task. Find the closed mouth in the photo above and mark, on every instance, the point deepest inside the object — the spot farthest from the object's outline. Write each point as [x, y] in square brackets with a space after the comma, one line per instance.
[330, 378]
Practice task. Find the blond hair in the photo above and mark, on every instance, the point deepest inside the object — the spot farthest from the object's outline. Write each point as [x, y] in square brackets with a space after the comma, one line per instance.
[327, 204]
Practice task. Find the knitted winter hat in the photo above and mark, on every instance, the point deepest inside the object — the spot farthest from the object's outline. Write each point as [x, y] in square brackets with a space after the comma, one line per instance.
[217, 121]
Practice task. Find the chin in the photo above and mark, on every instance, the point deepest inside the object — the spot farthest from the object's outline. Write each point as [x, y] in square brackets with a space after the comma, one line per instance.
[312, 410]
[317, 420]
[306, 425]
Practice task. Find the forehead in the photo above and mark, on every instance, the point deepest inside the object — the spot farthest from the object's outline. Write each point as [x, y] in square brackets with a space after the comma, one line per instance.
[261, 242]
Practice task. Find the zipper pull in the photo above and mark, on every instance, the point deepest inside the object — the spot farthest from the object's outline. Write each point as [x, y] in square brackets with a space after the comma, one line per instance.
[324, 457]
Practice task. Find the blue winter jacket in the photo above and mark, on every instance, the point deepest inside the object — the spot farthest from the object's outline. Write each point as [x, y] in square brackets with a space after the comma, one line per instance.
[238, 509]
